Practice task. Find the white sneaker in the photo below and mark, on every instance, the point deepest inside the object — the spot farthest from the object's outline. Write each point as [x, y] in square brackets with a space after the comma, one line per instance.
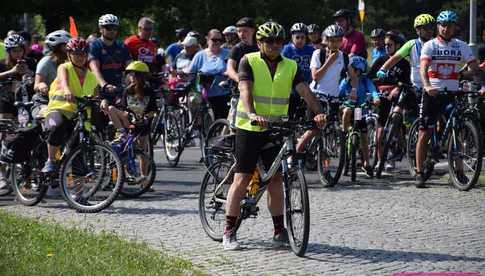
[230, 243]
[390, 166]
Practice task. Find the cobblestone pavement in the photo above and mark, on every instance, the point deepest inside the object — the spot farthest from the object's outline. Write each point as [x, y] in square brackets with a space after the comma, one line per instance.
[371, 228]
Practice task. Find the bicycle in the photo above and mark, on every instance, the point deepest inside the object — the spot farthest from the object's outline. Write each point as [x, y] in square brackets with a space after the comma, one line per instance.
[140, 169]
[393, 136]
[353, 139]
[219, 177]
[459, 139]
[86, 164]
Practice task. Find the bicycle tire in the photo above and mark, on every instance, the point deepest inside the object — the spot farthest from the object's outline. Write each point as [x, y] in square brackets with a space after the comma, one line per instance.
[126, 190]
[107, 157]
[209, 182]
[298, 234]
[353, 157]
[173, 144]
[218, 128]
[387, 141]
[473, 133]
[332, 142]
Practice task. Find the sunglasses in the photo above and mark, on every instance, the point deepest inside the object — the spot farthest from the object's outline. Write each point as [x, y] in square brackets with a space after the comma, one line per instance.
[110, 28]
[216, 40]
[274, 40]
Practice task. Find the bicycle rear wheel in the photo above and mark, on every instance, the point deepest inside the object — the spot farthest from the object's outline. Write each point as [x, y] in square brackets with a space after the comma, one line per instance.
[387, 141]
[297, 211]
[465, 156]
[212, 212]
[331, 155]
[82, 173]
[173, 139]
[218, 129]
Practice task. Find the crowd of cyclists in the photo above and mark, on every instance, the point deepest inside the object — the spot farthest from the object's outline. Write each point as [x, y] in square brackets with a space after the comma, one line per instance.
[320, 73]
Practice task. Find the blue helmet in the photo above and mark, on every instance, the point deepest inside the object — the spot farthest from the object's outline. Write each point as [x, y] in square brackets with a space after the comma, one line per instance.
[358, 63]
[447, 17]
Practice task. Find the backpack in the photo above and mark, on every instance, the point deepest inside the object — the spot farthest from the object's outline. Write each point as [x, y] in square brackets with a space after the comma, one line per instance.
[323, 55]
[17, 148]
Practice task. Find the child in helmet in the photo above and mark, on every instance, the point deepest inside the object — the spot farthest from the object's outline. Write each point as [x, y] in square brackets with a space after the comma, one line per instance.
[137, 98]
[365, 89]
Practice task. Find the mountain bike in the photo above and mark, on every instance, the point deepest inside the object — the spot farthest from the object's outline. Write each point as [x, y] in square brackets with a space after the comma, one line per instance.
[219, 177]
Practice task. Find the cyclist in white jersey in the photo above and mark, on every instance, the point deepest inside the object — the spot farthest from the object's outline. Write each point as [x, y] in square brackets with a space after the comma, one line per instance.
[441, 60]
[424, 24]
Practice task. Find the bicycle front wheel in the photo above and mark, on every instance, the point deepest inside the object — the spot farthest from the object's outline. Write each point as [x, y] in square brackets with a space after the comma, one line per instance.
[331, 155]
[82, 174]
[297, 211]
[140, 178]
[172, 139]
[212, 212]
[465, 156]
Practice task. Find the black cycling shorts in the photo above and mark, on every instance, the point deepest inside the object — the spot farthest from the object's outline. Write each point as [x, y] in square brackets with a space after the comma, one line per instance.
[250, 145]
[431, 108]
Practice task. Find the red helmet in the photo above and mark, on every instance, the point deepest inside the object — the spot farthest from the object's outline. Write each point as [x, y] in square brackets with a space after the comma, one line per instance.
[78, 45]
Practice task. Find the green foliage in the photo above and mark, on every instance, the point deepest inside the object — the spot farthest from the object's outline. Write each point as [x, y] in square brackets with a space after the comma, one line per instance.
[32, 248]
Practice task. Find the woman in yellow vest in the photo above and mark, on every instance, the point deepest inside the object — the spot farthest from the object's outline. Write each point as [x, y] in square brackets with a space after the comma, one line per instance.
[265, 82]
[73, 80]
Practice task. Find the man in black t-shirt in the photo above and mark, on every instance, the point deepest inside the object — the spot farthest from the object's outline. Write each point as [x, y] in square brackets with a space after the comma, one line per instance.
[246, 27]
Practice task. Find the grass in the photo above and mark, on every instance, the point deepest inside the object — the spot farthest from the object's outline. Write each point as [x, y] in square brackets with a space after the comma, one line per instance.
[28, 247]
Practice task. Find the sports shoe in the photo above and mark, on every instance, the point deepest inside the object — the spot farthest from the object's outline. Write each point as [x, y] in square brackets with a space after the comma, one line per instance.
[420, 180]
[391, 165]
[49, 167]
[368, 171]
[51, 191]
[230, 243]
[281, 239]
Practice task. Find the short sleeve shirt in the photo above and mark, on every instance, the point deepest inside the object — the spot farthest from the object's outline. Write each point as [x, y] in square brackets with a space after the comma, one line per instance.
[238, 51]
[47, 68]
[142, 50]
[446, 58]
[329, 83]
[302, 56]
[112, 60]
[213, 65]
[412, 49]
[354, 43]
[173, 50]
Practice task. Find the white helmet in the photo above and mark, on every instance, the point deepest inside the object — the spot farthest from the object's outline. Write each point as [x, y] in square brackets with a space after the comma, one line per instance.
[108, 19]
[299, 28]
[13, 41]
[57, 37]
[230, 30]
[334, 31]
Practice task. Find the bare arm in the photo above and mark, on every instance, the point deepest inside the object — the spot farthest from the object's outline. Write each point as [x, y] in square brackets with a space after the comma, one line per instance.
[423, 72]
[95, 67]
[246, 96]
[231, 70]
[40, 85]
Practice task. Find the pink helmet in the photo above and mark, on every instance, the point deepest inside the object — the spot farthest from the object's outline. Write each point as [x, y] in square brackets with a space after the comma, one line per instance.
[78, 45]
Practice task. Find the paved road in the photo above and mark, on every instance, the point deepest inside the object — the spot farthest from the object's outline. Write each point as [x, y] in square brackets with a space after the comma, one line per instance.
[374, 228]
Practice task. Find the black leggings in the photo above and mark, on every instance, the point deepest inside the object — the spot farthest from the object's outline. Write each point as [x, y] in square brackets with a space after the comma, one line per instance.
[219, 105]
[59, 128]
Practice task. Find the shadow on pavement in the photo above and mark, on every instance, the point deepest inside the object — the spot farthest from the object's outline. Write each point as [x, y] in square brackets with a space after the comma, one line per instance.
[149, 211]
[380, 255]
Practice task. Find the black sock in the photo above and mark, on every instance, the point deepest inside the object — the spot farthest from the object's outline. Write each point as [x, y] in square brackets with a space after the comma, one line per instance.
[279, 224]
[230, 224]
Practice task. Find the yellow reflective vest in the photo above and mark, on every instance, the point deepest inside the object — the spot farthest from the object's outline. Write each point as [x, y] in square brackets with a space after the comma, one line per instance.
[271, 96]
[57, 101]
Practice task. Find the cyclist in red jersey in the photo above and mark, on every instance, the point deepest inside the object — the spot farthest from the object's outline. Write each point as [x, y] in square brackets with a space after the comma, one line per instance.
[353, 42]
[140, 46]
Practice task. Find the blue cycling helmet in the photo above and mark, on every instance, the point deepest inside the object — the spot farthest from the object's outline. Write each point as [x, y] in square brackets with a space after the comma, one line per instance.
[447, 17]
[358, 63]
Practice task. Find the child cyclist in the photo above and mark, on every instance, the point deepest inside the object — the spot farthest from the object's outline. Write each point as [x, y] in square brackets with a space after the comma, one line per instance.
[138, 98]
[358, 67]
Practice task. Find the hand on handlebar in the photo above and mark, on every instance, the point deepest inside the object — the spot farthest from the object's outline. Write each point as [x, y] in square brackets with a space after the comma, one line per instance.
[258, 120]
[43, 88]
[109, 88]
[377, 101]
[381, 74]
[320, 119]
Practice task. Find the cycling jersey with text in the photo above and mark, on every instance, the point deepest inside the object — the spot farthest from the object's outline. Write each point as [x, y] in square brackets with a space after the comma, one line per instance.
[445, 60]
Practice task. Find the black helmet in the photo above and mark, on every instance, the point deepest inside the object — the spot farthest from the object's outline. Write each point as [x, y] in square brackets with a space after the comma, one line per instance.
[246, 22]
[396, 36]
[348, 14]
[377, 33]
[181, 32]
